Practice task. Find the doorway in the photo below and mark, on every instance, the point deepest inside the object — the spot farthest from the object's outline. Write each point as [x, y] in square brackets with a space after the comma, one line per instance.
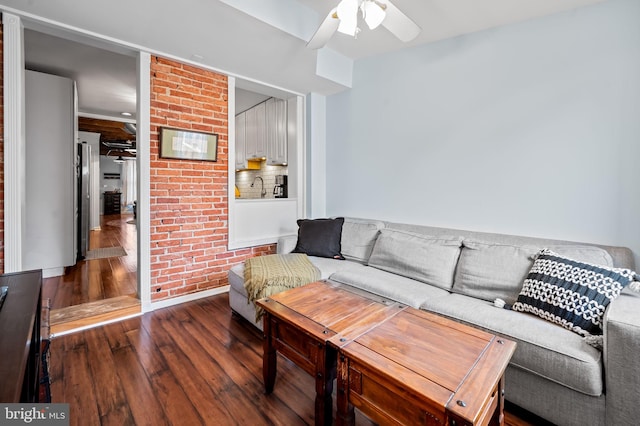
[103, 285]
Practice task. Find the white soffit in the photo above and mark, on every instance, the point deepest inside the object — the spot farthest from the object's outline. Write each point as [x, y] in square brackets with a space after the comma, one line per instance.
[300, 21]
[334, 66]
[289, 16]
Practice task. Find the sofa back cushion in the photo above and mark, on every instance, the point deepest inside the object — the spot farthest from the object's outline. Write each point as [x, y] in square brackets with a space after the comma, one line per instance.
[421, 257]
[488, 271]
[359, 237]
[583, 253]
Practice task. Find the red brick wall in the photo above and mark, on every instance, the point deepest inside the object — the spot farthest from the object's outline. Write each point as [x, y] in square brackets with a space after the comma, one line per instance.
[1, 150]
[189, 205]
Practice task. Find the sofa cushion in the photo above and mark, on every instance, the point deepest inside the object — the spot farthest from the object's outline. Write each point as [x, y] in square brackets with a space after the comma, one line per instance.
[583, 253]
[286, 243]
[358, 238]
[421, 257]
[236, 278]
[544, 349]
[493, 270]
[488, 271]
[330, 266]
[401, 289]
[320, 237]
[570, 293]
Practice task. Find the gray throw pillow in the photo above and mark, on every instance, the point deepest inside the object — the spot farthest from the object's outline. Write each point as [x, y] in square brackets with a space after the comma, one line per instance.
[358, 238]
[489, 271]
[583, 253]
[421, 257]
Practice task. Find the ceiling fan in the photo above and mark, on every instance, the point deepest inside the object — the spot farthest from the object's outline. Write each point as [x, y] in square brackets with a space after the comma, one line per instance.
[344, 18]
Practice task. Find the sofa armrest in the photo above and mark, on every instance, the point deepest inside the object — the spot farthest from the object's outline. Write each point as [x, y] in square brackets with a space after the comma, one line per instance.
[286, 244]
[622, 360]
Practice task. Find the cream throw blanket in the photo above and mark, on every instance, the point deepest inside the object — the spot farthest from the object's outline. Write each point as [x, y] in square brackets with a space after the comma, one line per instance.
[271, 274]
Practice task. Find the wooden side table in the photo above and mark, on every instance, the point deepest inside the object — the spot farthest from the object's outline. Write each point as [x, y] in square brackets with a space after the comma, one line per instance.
[420, 368]
[298, 323]
[111, 203]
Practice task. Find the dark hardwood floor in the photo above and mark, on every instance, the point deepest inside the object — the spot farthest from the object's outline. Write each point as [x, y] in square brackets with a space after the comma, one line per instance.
[99, 279]
[191, 364]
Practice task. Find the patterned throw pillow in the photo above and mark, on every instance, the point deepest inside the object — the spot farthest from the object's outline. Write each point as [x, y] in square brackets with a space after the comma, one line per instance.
[570, 293]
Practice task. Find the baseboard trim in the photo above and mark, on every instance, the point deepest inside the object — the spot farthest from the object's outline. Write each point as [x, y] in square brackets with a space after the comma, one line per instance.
[165, 303]
[52, 272]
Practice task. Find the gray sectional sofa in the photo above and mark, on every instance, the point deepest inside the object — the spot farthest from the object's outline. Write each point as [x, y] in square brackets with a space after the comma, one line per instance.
[554, 373]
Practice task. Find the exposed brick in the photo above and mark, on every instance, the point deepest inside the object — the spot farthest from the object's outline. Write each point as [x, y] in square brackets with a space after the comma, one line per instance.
[189, 205]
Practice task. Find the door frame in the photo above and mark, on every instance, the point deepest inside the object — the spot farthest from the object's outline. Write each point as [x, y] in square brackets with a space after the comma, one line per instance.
[14, 151]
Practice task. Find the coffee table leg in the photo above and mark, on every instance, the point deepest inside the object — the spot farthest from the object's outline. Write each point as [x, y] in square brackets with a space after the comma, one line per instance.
[344, 414]
[498, 416]
[325, 373]
[269, 359]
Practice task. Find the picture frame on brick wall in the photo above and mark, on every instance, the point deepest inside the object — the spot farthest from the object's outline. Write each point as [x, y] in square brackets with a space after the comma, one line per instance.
[188, 145]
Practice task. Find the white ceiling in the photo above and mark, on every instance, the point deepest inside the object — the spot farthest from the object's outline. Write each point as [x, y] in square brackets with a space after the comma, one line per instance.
[441, 19]
[106, 81]
[261, 41]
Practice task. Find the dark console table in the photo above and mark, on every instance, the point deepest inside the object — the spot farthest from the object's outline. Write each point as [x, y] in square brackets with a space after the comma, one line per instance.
[20, 321]
[111, 203]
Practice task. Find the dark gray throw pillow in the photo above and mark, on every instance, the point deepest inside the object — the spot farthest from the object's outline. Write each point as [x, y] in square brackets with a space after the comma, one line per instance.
[320, 237]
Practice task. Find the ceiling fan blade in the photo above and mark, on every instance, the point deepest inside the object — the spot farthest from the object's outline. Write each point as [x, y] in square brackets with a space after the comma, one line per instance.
[325, 31]
[398, 23]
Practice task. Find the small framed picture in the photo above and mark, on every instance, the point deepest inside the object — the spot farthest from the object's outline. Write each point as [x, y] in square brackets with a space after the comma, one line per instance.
[188, 145]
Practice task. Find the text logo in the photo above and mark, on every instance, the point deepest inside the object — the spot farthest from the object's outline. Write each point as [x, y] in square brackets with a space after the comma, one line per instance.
[34, 414]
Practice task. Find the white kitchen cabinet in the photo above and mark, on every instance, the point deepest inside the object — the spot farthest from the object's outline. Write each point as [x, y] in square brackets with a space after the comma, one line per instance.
[256, 132]
[241, 157]
[276, 110]
[261, 132]
[261, 137]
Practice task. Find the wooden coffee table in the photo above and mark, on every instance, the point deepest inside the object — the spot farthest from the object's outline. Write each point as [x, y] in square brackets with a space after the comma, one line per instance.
[420, 368]
[299, 322]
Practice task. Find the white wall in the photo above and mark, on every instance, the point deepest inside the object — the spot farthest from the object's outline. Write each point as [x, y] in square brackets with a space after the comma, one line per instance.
[107, 165]
[530, 129]
[317, 168]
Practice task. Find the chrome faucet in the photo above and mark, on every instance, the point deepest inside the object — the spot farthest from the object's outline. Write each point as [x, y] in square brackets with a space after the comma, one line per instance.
[263, 192]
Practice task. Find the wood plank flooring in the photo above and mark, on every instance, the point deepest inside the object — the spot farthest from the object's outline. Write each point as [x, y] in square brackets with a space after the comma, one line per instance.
[97, 290]
[99, 279]
[191, 364]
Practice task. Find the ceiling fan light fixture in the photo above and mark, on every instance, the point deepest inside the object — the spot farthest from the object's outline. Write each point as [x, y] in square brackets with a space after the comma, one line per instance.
[119, 159]
[373, 13]
[344, 18]
[347, 12]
